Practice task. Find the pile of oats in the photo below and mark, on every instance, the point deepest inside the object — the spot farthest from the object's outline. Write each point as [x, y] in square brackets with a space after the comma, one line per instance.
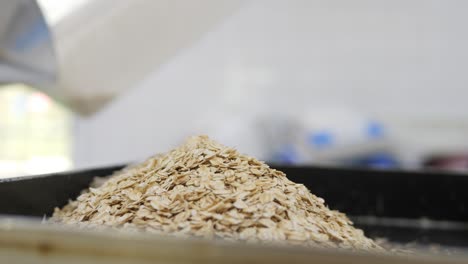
[205, 189]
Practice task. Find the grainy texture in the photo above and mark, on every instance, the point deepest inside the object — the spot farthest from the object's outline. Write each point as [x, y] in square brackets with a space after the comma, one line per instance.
[205, 189]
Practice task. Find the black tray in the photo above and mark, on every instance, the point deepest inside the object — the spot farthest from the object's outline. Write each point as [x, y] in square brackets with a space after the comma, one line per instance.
[421, 207]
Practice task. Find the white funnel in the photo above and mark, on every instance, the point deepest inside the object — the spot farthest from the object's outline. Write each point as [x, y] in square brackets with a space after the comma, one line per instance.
[103, 47]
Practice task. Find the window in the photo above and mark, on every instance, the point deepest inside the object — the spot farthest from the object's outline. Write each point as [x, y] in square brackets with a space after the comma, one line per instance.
[35, 133]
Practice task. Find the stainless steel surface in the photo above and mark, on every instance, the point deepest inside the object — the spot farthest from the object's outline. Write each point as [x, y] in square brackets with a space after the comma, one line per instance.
[26, 49]
[30, 241]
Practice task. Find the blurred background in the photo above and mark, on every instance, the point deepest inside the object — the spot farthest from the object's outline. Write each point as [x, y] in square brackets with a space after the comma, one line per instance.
[364, 83]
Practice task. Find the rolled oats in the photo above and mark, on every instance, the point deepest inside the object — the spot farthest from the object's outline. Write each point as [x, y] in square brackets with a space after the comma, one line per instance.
[205, 189]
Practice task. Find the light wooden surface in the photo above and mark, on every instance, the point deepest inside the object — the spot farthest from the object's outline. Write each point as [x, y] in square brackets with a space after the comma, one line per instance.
[27, 241]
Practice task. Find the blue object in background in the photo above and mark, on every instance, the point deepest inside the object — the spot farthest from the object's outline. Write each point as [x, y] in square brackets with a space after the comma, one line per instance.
[377, 160]
[287, 154]
[375, 130]
[321, 139]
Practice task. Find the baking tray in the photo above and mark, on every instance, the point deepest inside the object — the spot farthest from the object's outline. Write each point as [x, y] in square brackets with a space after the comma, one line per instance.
[401, 206]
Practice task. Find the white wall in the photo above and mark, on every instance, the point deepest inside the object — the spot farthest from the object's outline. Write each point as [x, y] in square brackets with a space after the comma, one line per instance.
[404, 61]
